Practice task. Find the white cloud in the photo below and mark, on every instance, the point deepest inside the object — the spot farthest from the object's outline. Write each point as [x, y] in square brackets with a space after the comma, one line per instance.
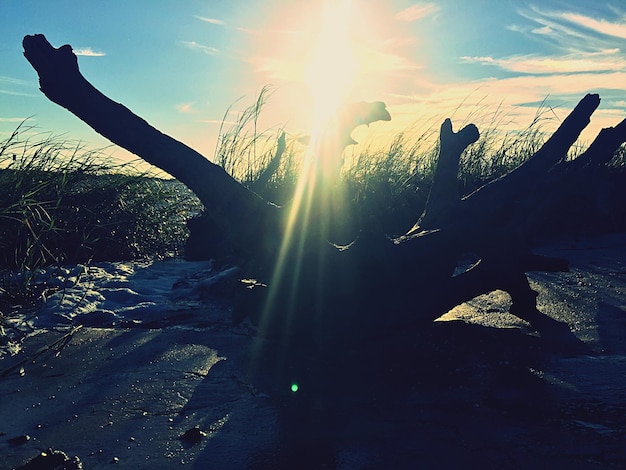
[211, 20]
[516, 28]
[577, 61]
[201, 47]
[218, 122]
[8, 83]
[88, 52]
[15, 93]
[542, 30]
[607, 28]
[185, 108]
[13, 119]
[600, 61]
[515, 100]
[416, 12]
[571, 30]
[4, 80]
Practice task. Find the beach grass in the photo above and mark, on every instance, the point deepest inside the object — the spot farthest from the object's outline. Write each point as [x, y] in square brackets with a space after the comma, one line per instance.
[61, 203]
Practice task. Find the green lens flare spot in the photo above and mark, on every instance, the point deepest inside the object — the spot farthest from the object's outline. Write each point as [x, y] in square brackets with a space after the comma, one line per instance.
[294, 388]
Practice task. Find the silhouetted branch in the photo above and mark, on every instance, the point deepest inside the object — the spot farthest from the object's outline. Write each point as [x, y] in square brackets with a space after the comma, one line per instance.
[236, 210]
[317, 292]
[444, 194]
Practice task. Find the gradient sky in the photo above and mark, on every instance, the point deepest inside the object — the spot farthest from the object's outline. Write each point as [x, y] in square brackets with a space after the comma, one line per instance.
[180, 64]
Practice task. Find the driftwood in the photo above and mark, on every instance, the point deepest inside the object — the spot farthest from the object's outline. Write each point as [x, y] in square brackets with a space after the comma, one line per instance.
[62, 83]
[271, 168]
[318, 292]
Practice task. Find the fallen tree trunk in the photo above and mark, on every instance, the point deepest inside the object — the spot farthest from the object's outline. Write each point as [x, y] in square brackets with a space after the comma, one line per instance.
[319, 291]
[61, 81]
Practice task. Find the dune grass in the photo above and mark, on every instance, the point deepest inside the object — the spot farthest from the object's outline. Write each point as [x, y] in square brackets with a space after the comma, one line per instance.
[387, 186]
[61, 203]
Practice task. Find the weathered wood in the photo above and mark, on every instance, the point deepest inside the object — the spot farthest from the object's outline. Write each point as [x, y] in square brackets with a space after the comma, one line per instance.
[497, 221]
[444, 197]
[602, 148]
[236, 210]
[318, 291]
[502, 201]
[561, 191]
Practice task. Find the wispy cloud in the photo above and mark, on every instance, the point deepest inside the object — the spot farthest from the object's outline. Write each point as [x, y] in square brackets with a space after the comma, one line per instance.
[416, 12]
[602, 61]
[211, 20]
[572, 30]
[574, 43]
[218, 122]
[547, 30]
[201, 47]
[13, 86]
[514, 99]
[12, 119]
[185, 108]
[604, 27]
[88, 52]
[15, 93]
[578, 54]
[4, 80]
[520, 90]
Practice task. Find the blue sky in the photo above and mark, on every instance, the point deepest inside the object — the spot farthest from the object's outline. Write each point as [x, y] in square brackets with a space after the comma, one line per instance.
[180, 64]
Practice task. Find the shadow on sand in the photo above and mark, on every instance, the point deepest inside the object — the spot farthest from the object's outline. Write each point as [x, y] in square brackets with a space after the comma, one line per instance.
[465, 395]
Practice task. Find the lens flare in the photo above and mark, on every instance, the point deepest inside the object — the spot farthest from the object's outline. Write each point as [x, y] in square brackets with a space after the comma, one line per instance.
[332, 65]
[330, 73]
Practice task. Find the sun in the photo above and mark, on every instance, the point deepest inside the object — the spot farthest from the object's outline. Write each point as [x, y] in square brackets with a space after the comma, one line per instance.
[332, 65]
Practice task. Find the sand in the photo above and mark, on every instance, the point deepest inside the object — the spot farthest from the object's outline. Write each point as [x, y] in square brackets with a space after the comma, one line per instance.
[129, 357]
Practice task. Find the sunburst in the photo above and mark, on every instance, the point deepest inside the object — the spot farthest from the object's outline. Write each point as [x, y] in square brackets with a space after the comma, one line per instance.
[332, 65]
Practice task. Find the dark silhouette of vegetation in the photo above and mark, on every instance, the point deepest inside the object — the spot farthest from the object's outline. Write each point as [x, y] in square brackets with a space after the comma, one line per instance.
[350, 326]
[289, 246]
[64, 205]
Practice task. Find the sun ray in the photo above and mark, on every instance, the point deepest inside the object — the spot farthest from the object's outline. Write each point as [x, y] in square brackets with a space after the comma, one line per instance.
[332, 65]
[331, 69]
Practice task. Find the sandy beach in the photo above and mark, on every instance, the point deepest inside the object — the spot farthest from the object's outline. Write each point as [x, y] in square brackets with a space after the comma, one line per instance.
[140, 366]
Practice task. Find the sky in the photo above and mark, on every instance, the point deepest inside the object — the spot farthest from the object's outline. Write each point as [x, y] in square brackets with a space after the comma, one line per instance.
[181, 65]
